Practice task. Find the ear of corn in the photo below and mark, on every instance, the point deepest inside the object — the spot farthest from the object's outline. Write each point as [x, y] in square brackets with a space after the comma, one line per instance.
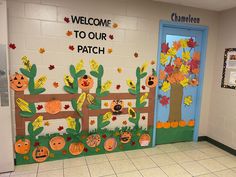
[131, 84]
[143, 98]
[68, 80]
[23, 105]
[90, 98]
[39, 83]
[94, 65]
[131, 112]
[38, 122]
[26, 63]
[144, 67]
[107, 117]
[106, 86]
[80, 101]
[79, 66]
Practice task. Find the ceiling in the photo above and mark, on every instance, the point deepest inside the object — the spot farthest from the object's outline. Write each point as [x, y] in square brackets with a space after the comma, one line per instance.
[216, 5]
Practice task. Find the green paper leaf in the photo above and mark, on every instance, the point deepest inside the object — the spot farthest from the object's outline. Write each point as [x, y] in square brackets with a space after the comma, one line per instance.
[100, 71]
[78, 126]
[38, 131]
[33, 71]
[138, 72]
[80, 73]
[143, 104]
[26, 114]
[132, 91]
[32, 108]
[94, 74]
[38, 91]
[25, 72]
[154, 73]
[70, 131]
[80, 113]
[74, 104]
[94, 107]
[98, 90]
[72, 71]
[143, 75]
[70, 90]
[30, 129]
[103, 94]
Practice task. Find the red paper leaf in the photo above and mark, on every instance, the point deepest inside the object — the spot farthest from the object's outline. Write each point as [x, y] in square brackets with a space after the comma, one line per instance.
[104, 136]
[39, 107]
[67, 20]
[36, 144]
[60, 128]
[111, 36]
[68, 138]
[51, 67]
[132, 143]
[113, 118]
[71, 47]
[118, 87]
[12, 46]
[164, 100]
[66, 106]
[143, 87]
[191, 43]
[143, 117]
[164, 47]
[169, 69]
[85, 149]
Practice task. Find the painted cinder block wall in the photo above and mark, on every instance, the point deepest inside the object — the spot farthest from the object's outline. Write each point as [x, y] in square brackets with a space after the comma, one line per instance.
[39, 23]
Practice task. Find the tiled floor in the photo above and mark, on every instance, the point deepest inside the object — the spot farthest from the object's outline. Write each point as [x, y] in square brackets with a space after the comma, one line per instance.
[174, 160]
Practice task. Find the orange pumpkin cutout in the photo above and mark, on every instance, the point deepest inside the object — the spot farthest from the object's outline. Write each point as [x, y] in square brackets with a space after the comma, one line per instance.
[18, 82]
[151, 81]
[76, 148]
[182, 123]
[166, 124]
[53, 106]
[110, 144]
[93, 140]
[57, 143]
[117, 106]
[159, 124]
[86, 82]
[174, 124]
[145, 139]
[22, 146]
[191, 123]
[125, 137]
[40, 154]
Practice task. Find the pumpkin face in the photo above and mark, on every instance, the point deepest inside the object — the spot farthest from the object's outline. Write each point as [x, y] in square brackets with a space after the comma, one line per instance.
[22, 146]
[110, 144]
[86, 82]
[174, 124]
[182, 123]
[53, 106]
[18, 82]
[93, 140]
[117, 106]
[151, 81]
[76, 148]
[159, 124]
[57, 143]
[166, 125]
[194, 82]
[145, 139]
[191, 123]
[40, 154]
[125, 137]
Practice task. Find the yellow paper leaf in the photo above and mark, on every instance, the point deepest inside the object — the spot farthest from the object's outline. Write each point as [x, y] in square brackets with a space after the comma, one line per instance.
[164, 59]
[186, 56]
[184, 82]
[188, 100]
[172, 52]
[165, 86]
[184, 69]
[26, 63]
[183, 43]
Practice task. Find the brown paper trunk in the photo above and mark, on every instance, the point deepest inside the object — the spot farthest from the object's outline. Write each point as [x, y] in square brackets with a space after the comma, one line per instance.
[176, 96]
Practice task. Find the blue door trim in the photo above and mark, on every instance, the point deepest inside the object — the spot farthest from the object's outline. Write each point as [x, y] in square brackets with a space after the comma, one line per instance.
[204, 30]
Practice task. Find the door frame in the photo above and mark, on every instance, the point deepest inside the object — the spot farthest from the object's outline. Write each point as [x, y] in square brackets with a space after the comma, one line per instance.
[204, 30]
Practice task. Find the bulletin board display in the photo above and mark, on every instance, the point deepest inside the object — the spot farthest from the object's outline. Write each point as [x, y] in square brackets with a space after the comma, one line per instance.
[229, 69]
[89, 115]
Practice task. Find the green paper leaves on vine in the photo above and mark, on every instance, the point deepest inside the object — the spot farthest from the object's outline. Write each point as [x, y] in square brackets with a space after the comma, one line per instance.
[26, 109]
[35, 127]
[74, 125]
[104, 120]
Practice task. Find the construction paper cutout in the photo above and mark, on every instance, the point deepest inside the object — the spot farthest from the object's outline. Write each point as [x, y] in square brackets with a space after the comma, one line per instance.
[106, 86]
[90, 98]
[26, 157]
[67, 20]
[182, 123]
[153, 62]
[79, 66]
[118, 87]
[110, 144]
[107, 117]
[94, 65]
[92, 122]
[85, 149]
[80, 101]
[55, 84]
[57, 143]
[60, 128]
[93, 140]
[144, 140]
[39, 107]
[114, 25]
[165, 86]
[51, 67]
[143, 117]
[159, 124]
[27, 109]
[104, 136]
[26, 62]
[144, 67]
[37, 123]
[194, 82]
[111, 36]
[40, 82]
[191, 123]
[114, 118]
[40, 154]
[109, 50]
[143, 98]
[131, 84]
[53, 106]
[18, 82]
[41, 50]
[86, 82]
[69, 33]
[12, 46]
[166, 124]
[124, 122]
[22, 146]
[46, 123]
[76, 148]
[119, 70]
[117, 106]
[66, 106]
[71, 123]
[164, 47]
[64, 152]
[188, 100]
[143, 87]
[163, 59]
[106, 104]
[172, 52]
[36, 144]
[125, 137]
[164, 100]
[191, 43]
[174, 124]
[177, 45]
[71, 47]
[136, 54]
[68, 138]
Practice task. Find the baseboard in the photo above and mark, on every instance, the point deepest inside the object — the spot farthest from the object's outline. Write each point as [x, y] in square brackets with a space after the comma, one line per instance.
[218, 144]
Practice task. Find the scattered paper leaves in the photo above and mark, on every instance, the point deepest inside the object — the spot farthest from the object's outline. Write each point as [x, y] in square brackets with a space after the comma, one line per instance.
[66, 106]
[46, 123]
[92, 122]
[109, 50]
[39, 107]
[143, 87]
[119, 70]
[106, 104]
[55, 84]
[12, 46]
[41, 50]
[124, 122]
[113, 118]
[153, 62]
[111, 36]
[60, 128]
[71, 47]
[188, 100]
[67, 20]
[136, 54]
[118, 87]
[114, 25]
[164, 100]
[51, 67]
[69, 33]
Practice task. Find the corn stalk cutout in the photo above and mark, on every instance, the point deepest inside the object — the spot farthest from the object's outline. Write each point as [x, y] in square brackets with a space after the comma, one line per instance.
[35, 127]
[74, 126]
[26, 109]
[30, 71]
[104, 120]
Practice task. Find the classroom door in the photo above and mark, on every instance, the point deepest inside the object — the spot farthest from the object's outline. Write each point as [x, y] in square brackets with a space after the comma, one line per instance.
[6, 144]
[180, 67]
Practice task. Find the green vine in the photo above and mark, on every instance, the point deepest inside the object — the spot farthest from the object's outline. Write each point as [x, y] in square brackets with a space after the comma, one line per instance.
[73, 87]
[31, 74]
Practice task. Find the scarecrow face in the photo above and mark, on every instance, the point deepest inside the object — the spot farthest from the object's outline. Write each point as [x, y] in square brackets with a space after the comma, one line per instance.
[125, 137]
[117, 106]
[76, 148]
[40, 154]
[85, 82]
[57, 143]
[18, 82]
[151, 81]
[110, 144]
[144, 139]
[22, 146]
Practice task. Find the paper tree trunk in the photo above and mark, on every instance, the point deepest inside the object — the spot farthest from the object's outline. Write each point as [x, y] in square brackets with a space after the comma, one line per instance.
[176, 96]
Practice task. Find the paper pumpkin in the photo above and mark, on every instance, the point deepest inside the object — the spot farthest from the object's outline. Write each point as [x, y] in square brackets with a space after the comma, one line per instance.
[53, 106]
[18, 82]
[151, 81]
[93, 140]
[166, 124]
[182, 123]
[40, 154]
[117, 106]
[125, 137]
[174, 124]
[110, 144]
[57, 143]
[145, 139]
[191, 123]
[76, 148]
[159, 124]
[86, 82]
[22, 146]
